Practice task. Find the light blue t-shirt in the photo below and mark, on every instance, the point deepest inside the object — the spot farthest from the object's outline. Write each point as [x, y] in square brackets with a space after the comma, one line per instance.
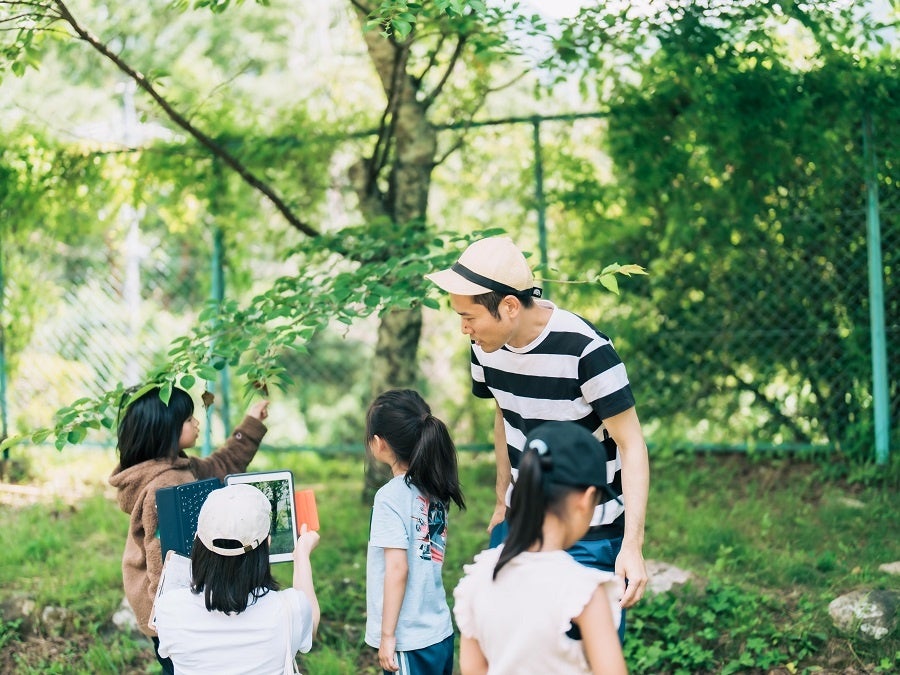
[403, 518]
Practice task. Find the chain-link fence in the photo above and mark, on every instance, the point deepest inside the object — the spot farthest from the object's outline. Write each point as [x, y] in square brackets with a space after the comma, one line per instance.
[766, 340]
[763, 339]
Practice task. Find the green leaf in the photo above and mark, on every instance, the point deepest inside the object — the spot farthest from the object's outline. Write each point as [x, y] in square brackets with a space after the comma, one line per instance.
[609, 282]
[39, 436]
[401, 28]
[628, 270]
[187, 381]
[77, 435]
[165, 392]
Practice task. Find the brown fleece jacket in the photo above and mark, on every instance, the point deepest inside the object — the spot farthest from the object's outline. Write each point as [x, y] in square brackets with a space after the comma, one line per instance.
[137, 485]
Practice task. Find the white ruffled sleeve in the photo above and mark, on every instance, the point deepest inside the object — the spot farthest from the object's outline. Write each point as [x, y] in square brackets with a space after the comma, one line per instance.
[470, 587]
[583, 583]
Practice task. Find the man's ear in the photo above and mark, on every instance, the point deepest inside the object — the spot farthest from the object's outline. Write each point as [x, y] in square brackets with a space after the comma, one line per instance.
[512, 304]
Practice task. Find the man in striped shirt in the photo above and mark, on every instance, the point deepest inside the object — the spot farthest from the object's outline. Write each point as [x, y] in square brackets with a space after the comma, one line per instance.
[541, 363]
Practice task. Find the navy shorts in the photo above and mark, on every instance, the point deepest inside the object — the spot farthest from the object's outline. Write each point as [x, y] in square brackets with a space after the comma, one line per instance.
[436, 659]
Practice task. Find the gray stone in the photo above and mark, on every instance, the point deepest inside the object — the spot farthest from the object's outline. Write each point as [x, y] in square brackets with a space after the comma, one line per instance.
[871, 613]
[20, 607]
[664, 577]
[124, 619]
[890, 568]
[56, 621]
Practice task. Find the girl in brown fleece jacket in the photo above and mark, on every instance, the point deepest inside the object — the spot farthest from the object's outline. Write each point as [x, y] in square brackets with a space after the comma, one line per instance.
[152, 439]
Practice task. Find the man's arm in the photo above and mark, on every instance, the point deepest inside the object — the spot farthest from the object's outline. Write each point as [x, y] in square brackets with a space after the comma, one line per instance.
[504, 470]
[625, 428]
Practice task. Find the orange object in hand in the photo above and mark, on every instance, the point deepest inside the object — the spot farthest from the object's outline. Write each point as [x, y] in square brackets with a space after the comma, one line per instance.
[305, 504]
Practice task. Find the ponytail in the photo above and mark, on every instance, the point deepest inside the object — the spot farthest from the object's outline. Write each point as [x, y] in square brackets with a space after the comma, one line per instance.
[532, 497]
[420, 440]
[433, 466]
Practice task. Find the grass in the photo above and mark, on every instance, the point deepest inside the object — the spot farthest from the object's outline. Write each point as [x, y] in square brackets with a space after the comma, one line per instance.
[771, 541]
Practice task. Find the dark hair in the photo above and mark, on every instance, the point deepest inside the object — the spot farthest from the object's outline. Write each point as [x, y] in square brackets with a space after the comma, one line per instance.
[227, 582]
[421, 441]
[532, 497]
[149, 428]
[492, 301]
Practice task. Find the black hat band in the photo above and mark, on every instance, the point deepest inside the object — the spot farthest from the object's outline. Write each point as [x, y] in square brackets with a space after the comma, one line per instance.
[476, 278]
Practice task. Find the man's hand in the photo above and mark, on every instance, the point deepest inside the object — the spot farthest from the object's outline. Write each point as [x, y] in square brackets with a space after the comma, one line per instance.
[497, 517]
[630, 565]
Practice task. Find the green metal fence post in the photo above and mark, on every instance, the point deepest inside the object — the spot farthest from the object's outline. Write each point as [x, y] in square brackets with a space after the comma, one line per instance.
[218, 295]
[876, 299]
[540, 204]
[4, 429]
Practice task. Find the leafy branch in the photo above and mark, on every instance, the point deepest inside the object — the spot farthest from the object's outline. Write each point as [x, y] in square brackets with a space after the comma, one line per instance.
[606, 277]
[347, 276]
[31, 18]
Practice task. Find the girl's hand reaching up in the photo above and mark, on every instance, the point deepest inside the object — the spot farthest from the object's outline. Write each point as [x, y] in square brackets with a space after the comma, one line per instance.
[259, 410]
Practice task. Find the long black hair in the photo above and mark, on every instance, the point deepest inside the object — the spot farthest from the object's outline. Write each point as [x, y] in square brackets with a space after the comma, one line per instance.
[228, 582]
[150, 429]
[420, 440]
[532, 497]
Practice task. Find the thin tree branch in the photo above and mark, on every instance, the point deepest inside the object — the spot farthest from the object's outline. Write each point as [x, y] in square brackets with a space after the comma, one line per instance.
[217, 150]
[388, 122]
[461, 137]
[432, 59]
[769, 405]
[457, 52]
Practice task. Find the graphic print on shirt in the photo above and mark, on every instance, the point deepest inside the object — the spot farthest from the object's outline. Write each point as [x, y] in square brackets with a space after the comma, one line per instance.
[431, 529]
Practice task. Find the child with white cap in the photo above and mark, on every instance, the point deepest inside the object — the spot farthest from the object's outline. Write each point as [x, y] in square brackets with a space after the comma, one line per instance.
[527, 606]
[233, 618]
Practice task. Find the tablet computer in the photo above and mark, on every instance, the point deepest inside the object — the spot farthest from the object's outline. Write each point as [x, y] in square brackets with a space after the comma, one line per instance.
[278, 487]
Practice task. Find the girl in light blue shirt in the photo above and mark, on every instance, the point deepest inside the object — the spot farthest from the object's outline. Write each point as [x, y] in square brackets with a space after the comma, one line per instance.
[408, 619]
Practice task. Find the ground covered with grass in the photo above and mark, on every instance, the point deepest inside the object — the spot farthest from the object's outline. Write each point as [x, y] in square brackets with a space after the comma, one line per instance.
[770, 540]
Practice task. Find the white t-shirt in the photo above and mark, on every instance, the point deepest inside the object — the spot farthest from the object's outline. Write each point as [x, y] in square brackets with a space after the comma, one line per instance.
[521, 618]
[254, 641]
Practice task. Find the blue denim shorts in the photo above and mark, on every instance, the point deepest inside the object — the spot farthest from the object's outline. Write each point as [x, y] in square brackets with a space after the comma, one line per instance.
[436, 659]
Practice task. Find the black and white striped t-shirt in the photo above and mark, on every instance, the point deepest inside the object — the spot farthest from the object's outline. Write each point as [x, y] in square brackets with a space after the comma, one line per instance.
[570, 372]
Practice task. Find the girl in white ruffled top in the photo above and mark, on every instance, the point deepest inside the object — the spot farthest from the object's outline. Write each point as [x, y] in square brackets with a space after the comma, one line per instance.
[527, 606]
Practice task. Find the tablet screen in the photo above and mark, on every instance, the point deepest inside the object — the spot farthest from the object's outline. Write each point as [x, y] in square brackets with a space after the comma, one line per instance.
[278, 487]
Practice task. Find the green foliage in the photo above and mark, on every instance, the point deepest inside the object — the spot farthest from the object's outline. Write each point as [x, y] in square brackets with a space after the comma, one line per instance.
[721, 628]
[737, 161]
[743, 612]
[9, 632]
[398, 19]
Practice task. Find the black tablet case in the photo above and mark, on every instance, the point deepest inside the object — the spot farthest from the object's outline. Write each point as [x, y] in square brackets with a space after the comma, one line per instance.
[178, 508]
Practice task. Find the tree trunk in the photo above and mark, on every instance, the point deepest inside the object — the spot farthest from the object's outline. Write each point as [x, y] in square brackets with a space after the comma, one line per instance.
[394, 183]
[395, 365]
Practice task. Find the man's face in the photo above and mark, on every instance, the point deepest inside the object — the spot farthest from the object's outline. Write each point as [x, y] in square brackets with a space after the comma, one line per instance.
[484, 329]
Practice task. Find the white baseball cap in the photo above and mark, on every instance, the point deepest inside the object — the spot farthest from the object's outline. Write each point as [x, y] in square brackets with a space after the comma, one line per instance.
[491, 264]
[238, 513]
